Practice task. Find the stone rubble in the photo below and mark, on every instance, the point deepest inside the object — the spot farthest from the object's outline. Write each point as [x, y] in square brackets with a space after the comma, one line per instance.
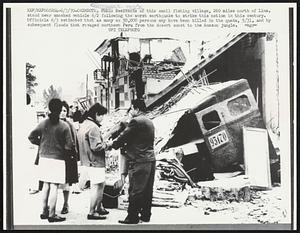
[245, 204]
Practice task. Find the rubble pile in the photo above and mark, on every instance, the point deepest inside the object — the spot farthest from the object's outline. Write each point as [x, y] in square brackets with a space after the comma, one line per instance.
[218, 193]
[264, 207]
[230, 189]
[173, 187]
[267, 208]
[112, 162]
[173, 100]
[165, 194]
[111, 120]
[168, 194]
[112, 156]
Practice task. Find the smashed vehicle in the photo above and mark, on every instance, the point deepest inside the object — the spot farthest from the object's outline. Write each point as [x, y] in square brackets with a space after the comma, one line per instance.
[208, 135]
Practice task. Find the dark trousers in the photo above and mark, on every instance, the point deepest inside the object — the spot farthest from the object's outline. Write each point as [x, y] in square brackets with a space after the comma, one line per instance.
[141, 179]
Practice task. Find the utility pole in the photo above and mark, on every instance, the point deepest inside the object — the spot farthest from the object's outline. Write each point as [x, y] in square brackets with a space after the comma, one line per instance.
[108, 85]
[86, 90]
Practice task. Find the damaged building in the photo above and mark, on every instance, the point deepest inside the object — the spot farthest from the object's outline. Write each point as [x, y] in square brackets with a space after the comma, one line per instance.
[137, 68]
[233, 85]
[216, 118]
[207, 99]
[204, 128]
[164, 65]
[206, 107]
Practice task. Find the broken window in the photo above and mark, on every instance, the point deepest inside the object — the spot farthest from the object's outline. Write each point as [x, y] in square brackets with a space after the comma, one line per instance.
[238, 105]
[186, 130]
[211, 120]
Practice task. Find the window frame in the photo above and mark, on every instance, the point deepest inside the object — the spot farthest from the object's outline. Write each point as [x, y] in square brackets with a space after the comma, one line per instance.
[209, 112]
[241, 112]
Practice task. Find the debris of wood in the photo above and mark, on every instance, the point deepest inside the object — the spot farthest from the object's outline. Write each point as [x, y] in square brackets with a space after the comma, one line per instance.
[224, 175]
[164, 185]
[176, 199]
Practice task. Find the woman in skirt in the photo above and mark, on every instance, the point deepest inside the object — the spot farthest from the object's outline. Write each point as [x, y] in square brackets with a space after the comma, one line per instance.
[92, 157]
[54, 139]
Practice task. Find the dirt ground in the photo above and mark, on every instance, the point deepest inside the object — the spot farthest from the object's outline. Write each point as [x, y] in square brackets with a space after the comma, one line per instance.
[265, 209]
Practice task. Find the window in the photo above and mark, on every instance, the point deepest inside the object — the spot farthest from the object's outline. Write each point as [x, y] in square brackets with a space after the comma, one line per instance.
[126, 95]
[132, 95]
[95, 75]
[238, 105]
[121, 81]
[121, 89]
[211, 120]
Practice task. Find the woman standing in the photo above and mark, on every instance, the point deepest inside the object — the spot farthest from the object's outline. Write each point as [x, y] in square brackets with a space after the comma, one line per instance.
[53, 137]
[71, 161]
[92, 157]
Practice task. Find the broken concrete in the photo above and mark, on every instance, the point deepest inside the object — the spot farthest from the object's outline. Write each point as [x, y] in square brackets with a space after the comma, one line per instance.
[229, 189]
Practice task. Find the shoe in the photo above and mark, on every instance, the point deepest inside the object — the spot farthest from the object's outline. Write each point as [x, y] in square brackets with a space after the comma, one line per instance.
[32, 191]
[56, 218]
[95, 217]
[76, 192]
[144, 219]
[44, 216]
[102, 211]
[129, 221]
[65, 210]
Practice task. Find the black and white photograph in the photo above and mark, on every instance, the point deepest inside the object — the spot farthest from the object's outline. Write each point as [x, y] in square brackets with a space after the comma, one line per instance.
[146, 116]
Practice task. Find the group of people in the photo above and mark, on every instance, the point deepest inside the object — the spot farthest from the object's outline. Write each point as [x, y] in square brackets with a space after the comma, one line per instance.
[61, 146]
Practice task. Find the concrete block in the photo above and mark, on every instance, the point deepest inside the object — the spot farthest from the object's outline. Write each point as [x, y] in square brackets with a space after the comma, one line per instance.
[231, 189]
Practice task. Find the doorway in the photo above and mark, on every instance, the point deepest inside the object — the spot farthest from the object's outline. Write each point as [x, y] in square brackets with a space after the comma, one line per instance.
[117, 98]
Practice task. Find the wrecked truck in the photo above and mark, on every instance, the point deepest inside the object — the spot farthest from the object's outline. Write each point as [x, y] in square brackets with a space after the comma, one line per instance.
[210, 132]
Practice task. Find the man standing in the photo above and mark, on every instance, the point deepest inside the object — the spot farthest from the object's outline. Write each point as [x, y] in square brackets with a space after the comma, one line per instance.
[138, 140]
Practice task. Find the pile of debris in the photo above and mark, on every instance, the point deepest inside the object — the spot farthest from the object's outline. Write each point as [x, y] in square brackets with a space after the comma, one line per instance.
[110, 121]
[183, 91]
[229, 189]
[168, 194]
[264, 207]
[174, 186]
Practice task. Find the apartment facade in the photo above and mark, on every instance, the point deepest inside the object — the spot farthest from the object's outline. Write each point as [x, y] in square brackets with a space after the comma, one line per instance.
[160, 60]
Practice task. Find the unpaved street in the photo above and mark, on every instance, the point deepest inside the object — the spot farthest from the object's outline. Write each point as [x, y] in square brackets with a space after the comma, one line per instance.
[265, 207]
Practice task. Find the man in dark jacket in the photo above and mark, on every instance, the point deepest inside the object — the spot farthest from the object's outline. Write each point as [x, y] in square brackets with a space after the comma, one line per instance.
[138, 138]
